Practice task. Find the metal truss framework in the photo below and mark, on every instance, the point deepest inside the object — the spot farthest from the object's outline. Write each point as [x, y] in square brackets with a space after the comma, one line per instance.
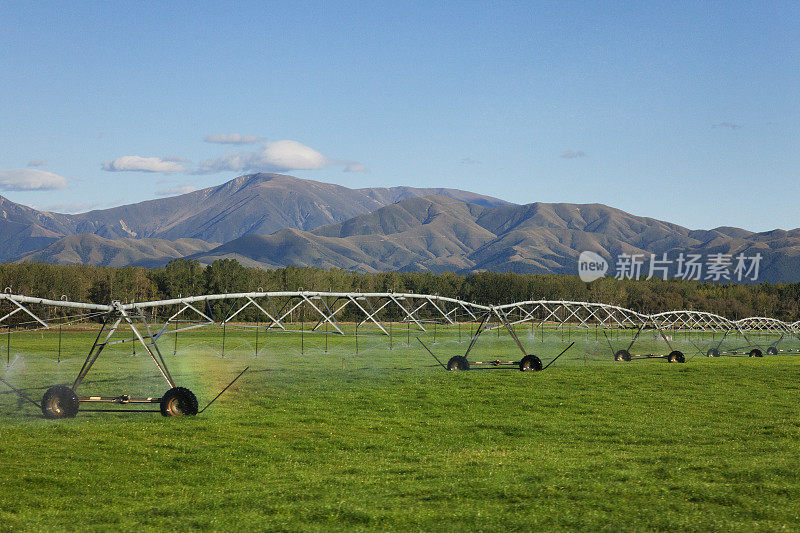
[280, 309]
[144, 323]
[559, 312]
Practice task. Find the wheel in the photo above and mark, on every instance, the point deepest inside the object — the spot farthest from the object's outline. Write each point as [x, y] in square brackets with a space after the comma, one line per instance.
[60, 401]
[676, 357]
[179, 401]
[713, 352]
[622, 355]
[755, 352]
[772, 350]
[530, 362]
[458, 362]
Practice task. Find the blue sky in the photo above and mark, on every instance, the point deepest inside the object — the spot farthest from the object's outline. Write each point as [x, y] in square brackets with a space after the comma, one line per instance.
[687, 112]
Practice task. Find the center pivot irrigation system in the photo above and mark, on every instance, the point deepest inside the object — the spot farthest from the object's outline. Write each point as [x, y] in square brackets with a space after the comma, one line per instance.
[277, 309]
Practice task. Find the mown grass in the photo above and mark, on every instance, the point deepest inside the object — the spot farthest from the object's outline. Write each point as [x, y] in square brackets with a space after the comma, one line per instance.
[385, 439]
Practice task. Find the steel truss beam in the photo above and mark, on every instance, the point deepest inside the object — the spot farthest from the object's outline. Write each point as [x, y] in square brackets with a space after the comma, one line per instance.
[326, 307]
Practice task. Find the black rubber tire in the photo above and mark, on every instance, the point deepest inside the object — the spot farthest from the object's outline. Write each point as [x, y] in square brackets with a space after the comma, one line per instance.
[772, 350]
[60, 401]
[712, 352]
[458, 362]
[755, 352]
[622, 355]
[530, 362]
[676, 357]
[179, 401]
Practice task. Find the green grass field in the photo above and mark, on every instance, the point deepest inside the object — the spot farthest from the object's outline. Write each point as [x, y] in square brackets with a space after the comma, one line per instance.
[319, 439]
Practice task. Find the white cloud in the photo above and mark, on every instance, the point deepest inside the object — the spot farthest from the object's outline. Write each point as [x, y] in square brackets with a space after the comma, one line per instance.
[135, 163]
[355, 167]
[28, 179]
[569, 154]
[177, 189]
[275, 156]
[232, 138]
[175, 159]
[292, 155]
[37, 163]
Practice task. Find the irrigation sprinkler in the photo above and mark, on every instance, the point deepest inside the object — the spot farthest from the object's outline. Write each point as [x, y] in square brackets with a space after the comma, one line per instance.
[279, 309]
[750, 330]
[754, 349]
[674, 356]
[63, 401]
[528, 362]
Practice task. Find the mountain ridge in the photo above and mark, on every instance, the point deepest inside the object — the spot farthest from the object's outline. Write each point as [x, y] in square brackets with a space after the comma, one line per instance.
[436, 233]
[253, 203]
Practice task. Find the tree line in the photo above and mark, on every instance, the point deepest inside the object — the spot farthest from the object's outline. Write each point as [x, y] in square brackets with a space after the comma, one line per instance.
[183, 277]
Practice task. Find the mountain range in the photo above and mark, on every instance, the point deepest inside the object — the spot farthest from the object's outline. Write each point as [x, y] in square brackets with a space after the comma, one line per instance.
[442, 234]
[256, 203]
[270, 220]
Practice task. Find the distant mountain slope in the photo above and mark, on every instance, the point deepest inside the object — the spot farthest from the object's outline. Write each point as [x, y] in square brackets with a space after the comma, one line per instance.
[256, 203]
[95, 250]
[436, 233]
[23, 229]
[432, 232]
